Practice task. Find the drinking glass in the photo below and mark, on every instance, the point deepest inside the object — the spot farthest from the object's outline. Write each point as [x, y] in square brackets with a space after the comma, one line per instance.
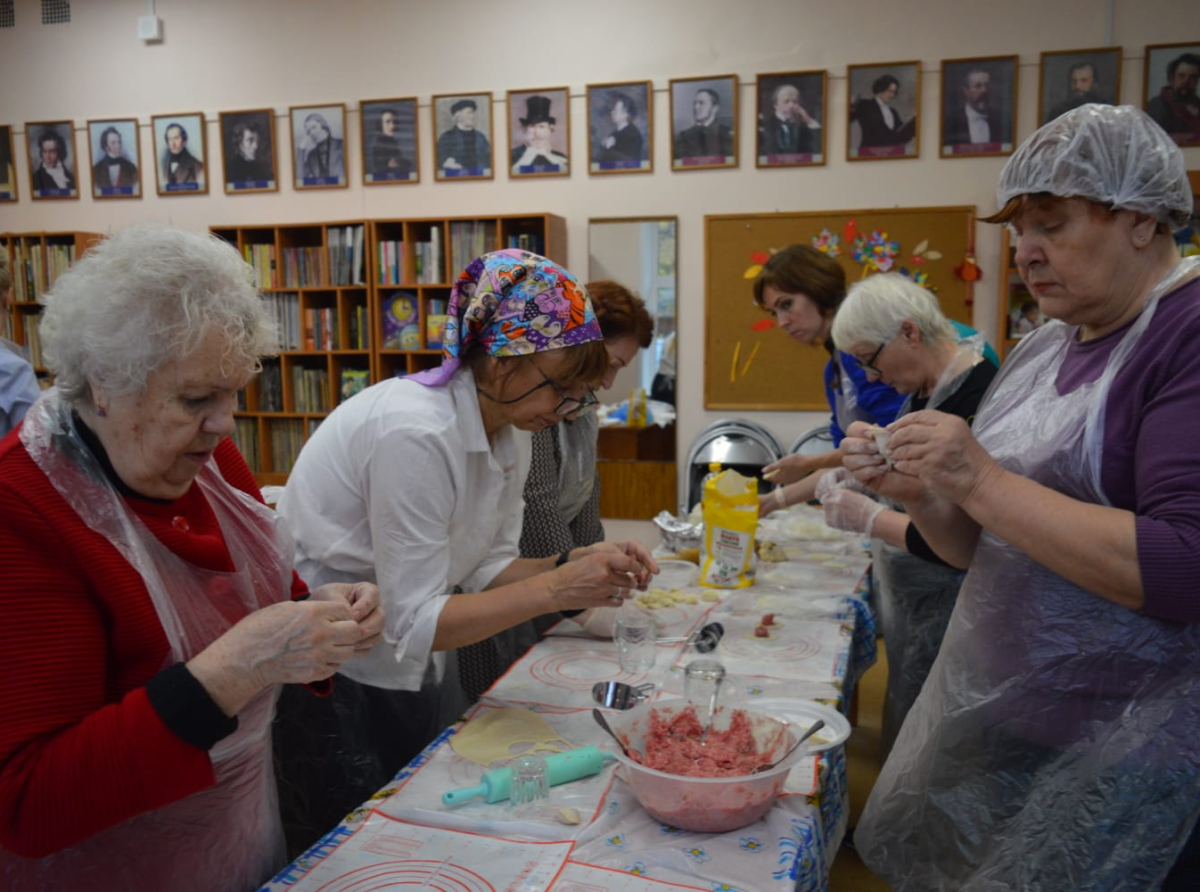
[635, 633]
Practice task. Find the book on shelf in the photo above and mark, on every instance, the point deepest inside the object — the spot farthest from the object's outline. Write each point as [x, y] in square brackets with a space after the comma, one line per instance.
[262, 260]
[469, 239]
[58, 259]
[310, 389]
[429, 259]
[270, 387]
[321, 329]
[346, 255]
[435, 323]
[527, 241]
[284, 308]
[401, 329]
[304, 268]
[360, 328]
[353, 381]
[245, 438]
[287, 437]
[33, 339]
[391, 262]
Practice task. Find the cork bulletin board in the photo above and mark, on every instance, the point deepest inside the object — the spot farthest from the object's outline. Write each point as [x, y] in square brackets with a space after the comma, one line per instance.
[751, 364]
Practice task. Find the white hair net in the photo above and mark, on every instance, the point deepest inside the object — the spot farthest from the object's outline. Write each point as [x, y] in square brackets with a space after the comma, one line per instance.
[1114, 155]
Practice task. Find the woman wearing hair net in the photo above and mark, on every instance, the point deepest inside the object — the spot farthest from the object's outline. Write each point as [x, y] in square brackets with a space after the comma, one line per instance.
[1056, 743]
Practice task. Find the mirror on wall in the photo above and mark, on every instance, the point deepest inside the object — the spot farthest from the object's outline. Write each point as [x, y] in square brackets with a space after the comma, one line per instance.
[639, 252]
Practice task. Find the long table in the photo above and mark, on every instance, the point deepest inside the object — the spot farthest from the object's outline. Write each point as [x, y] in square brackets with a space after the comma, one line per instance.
[405, 836]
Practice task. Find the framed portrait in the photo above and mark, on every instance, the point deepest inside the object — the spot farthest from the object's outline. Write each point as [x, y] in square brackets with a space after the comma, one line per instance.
[248, 151]
[8, 166]
[620, 127]
[318, 146]
[704, 122]
[885, 103]
[116, 161]
[1068, 79]
[1171, 76]
[463, 124]
[539, 132]
[181, 150]
[389, 141]
[791, 117]
[52, 166]
[979, 106]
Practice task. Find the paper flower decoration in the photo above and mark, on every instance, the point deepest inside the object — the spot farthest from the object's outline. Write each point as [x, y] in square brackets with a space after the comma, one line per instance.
[849, 231]
[876, 253]
[757, 259]
[969, 270]
[922, 252]
[921, 277]
[827, 243]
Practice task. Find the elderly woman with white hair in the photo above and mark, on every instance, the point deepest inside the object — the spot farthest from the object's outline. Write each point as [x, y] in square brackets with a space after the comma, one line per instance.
[895, 331]
[148, 603]
[1056, 743]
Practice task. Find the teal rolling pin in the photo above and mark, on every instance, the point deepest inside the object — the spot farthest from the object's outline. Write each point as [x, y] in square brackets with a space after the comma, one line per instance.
[560, 768]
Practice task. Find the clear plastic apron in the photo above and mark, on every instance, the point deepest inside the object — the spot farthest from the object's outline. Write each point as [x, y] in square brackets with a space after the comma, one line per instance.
[913, 598]
[227, 837]
[1056, 743]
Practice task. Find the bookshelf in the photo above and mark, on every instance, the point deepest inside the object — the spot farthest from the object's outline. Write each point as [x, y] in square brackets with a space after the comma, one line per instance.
[313, 279]
[36, 260]
[330, 286]
[413, 266]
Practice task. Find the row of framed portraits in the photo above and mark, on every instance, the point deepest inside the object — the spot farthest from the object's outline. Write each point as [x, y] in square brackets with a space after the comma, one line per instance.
[978, 114]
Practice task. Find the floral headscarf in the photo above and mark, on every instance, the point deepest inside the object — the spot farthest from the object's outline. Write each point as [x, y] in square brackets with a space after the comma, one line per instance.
[513, 303]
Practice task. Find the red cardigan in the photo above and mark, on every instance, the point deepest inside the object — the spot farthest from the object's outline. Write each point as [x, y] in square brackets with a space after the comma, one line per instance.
[81, 746]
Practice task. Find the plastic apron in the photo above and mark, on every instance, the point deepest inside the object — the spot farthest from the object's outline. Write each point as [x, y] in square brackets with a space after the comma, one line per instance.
[227, 837]
[913, 598]
[1054, 745]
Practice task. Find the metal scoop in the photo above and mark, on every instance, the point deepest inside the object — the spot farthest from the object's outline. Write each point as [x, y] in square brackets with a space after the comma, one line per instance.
[618, 695]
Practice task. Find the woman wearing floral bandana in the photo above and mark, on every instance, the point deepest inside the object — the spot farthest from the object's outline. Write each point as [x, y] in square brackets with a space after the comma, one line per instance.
[416, 484]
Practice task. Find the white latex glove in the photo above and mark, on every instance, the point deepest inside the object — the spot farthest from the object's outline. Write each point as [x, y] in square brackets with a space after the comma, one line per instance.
[848, 510]
[838, 478]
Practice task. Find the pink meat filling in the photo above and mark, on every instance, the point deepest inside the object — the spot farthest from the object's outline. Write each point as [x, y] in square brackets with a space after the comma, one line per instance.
[675, 747]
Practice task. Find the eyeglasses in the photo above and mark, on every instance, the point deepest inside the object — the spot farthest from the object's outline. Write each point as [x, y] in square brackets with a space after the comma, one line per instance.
[869, 364]
[568, 405]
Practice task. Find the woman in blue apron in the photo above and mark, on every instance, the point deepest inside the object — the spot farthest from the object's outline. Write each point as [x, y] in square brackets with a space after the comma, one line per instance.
[1056, 743]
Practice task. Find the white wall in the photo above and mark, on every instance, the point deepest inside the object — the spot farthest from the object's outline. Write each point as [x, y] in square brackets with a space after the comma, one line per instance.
[231, 54]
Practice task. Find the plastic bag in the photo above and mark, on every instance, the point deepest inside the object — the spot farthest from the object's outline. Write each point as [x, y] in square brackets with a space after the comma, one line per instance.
[730, 521]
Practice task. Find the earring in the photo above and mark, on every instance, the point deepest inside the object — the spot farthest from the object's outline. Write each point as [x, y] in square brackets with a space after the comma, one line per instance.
[101, 412]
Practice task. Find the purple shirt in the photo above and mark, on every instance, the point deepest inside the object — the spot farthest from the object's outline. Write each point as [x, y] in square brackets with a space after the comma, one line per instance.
[1151, 461]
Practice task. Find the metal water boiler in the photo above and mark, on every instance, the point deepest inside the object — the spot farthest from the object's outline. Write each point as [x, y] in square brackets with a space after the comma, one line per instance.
[734, 442]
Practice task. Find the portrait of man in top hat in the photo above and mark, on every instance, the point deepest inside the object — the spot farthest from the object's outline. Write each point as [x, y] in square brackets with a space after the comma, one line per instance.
[537, 146]
[464, 148]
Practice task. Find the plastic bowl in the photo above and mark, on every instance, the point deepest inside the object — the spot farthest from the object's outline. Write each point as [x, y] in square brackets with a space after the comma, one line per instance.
[705, 804]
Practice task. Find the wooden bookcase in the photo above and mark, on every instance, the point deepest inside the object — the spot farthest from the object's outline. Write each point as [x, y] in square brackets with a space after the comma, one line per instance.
[36, 260]
[330, 286]
[413, 280]
[314, 278]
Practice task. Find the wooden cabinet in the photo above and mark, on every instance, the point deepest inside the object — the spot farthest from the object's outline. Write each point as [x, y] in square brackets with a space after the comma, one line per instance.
[36, 260]
[1017, 312]
[356, 302]
[637, 471]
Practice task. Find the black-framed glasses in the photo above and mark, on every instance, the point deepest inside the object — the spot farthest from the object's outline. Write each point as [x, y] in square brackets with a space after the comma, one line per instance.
[869, 364]
[568, 405]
